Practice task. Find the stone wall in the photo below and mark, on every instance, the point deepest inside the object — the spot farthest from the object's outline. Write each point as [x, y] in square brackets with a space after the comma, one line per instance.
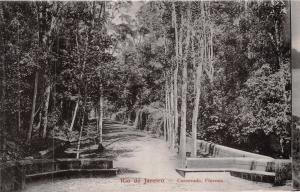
[222, 157]
[215, 150]
[14, 175]
[229, 163]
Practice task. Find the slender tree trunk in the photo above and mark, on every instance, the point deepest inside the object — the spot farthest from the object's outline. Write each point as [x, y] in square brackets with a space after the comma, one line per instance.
[74, 116]
[97, 120]
[40, 40]
[194, 123]
[128, 118]
[3, 113]
[180, 61]
[184, 89]
[45, 119]
[204, 57]
[140, 120]
[19, 87]
[19, 109]
[101, 118]
[82, 124]
[80, 136]
[39, 124]
[211, 54]
[36, 79]
[196, 105]
[168, 117]
[194, 64]
[165, 124]
[166, 83]
[171, 127]
[137, 114]
[165, 113]
[171, 112]
[47, 43]
[175, 75]
[19, 113]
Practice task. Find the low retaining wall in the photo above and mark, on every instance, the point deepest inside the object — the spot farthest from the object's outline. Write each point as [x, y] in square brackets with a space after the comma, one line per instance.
[215, 150]
[14, 175]
[276, 165]
[228, 163]
[246, 168]
[222, 157]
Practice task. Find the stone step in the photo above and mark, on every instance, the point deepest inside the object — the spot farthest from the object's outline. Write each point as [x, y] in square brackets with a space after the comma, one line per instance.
[252, 175]
[260, 176]
[72, 173]
[183, 171]
[234, 162]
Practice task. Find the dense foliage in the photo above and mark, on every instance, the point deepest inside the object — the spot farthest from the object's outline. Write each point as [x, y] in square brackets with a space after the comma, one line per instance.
[60, 59]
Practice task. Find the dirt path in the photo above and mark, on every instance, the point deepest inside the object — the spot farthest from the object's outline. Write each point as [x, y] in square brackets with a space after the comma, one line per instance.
[146, 164]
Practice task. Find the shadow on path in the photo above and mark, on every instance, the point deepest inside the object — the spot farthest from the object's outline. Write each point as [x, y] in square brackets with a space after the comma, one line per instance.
[139, 155]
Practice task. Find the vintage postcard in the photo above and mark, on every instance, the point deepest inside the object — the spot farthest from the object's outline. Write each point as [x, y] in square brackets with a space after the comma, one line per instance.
[149, 96]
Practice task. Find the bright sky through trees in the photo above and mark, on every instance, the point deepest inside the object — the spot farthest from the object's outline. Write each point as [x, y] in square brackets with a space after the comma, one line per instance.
[295, 24]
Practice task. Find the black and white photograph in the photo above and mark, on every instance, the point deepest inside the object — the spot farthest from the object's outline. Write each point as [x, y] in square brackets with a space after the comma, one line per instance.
[112, 96]
[295, 19]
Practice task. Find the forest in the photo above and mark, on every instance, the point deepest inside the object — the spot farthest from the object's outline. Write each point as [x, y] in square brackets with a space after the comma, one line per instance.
[217, 71]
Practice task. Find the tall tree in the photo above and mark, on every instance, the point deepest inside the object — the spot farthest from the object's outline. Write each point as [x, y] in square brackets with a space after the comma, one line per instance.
[174, 18]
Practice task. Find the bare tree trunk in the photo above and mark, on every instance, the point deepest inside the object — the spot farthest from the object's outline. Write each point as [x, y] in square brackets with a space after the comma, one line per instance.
[74, 116]
[97, 120]
[194, 64]
[3, 113]
[175, 74]
[36, 79]
[168, 116]
[19, 112]
[101, 117]
[211, 54]
[171, 112]
[165, 124]
[19, 88]
[47, 43]
[137, 114]
[184, 89]
[82, 124]
[45, 119]
[196, 105]
[171, 127]
[40, 41]
[166, 83]
[128, 118]
[39, 124]
[141, 120]
[205, 57]
[80, 135]
[166, 112]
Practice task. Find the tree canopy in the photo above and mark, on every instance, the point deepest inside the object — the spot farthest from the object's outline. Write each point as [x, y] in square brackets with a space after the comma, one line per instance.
[218, 71]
